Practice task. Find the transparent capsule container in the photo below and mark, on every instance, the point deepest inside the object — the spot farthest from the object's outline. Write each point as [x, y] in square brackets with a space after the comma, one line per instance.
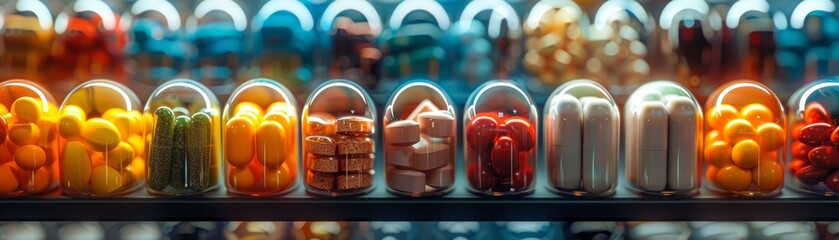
[685, 44]
[339, 123]
[27, 33]
[813, 161]
[420, 138]
[500, 122]
[663, 140]
[582, 140]
[183, 138]
[89, 44]
[101, 145]
[348, 31]
[155, 49]
[284, 41]
[411, 44]
[745, 140]
[28, 142]
[216, 31]
[260, 139]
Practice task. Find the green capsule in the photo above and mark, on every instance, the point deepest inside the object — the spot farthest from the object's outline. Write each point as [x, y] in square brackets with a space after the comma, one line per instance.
[177, 176]
[160, 151]
[200, 153]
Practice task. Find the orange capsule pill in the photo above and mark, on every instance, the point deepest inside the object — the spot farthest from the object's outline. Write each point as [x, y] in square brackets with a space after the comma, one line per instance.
[8, 179]
[737, 130]
[30, 157]
[756, 114]
[247, 107]
[720, 115]
[768, 175]
[241, 179]
[718, 153]
[271, 144]
[734, 178]
[35, 181]
[771, 136]
[746, 153]
[239, 142]
[277, 180]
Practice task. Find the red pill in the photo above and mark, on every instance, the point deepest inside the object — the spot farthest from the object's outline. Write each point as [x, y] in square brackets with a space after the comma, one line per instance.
[481, 177]
[481, 132]
[522, 178]
[505, 156]
[832, 181]
[816, 113]
[800, 150]
[834, 137]
[815, 134]
[796, 129]
[824, 156]
[797, 164]
[811, 175]
[521, 131]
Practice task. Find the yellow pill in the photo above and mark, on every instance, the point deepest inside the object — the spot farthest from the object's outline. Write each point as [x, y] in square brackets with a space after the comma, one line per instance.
[127, 176]
[24, 133]
[718, 153]
[104, 99]
[100, 134]
[247, 107]
[713, 136]
[241, 179]
[36, 181]
[733, 178]
[720, 115]
[112, 113]
[768, 175]
[737, 130]
[8, 179]
[76, 166]
[70, 126]
[756, 114]
[138, 118]
[279, 107]
[121, 156]
[3, 110]
[138, 168]
[238, 142]
[30, 157]
[771, 136]
[255, 119]
[126, 124]
[27, 109]
[746, 153]
[277, 180]
[137, 144]
[48, 132]
[105, 180]
[280, 117]
[74, 110]
[271, 144]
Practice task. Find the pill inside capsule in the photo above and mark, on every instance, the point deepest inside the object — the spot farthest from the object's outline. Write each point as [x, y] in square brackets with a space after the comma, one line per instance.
[30, 157]
[121, 156]
[105, 179]
[76, 164]
[27, 109]
[24, 133]
[271, 144]
[101, 134]
[737, 130]
[239, 142]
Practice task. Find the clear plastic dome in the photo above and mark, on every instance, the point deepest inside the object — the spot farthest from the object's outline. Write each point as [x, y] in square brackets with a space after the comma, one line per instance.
[339, 125]
[155, 50]
[813, 160]
[283, 40]
[348, 32]
[216, 31]
[260, 139]
[183, 137]
[663, 124]
[101, 146]
[745, 140]
[582, 138]
[411, 43]
[28, 143]
[28, 26]
[686, 42]
[420, 137]
[500, 122]
[90, 42]
[555, 43]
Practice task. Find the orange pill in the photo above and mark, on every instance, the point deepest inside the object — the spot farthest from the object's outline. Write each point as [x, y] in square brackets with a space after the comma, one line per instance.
[720, 115]
[718, 153]
[733, 178]
[138, 168]
[239, 142]
[8, 179]
[713, 136]
[277, 180]
[241, 179]
[36, 181]
[247, 107]
[27, 109]
[711, 173]
[105, 179]
[771, 136]
[30, 157]
[746, 153]
[271, 144]
[737, 130]
[6, 155]
[127, 176]
[768, 175]
[24, 133]
[756, 114]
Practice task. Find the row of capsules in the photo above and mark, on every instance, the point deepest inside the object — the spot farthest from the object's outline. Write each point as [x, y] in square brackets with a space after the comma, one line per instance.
[104, 145]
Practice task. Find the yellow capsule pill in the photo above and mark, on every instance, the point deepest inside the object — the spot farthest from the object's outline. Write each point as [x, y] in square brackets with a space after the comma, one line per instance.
[734, 178]
[271, 144]
[756, 114]
[746, 153]
[126, 124]
[241, 179]
[137, 144]
[24, 133]
[70, 126]
[74, 110]
[30, 157]
[121, 156]
[247, 107]
[737, 130]
[277, 180]
[239, 142]
[768, 175]
[718, 153]
[100, 134]
[112, 113]
[27, 109]
[771, 136]
[720, 115]
[279, 107]
[76, 166]
[105, 179]
[8, 179]
[255, 119]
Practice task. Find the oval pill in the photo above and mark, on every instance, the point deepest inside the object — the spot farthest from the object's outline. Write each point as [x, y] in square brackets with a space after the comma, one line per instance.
[720, 115]
[101, 134]
[737, 130]
[746, 153]
[768, 175]
[718, 153]
[277, 180]
[771, 136]
[756, 114]
[76, 170]
[8, 179]
[121, 156]
[734, 178]
[238, 142]
[30, 157]
[27, 109]
[24, 133]
[241, 179]
[814, 112]
[105, 179]
[35, 181]
[271, 144]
